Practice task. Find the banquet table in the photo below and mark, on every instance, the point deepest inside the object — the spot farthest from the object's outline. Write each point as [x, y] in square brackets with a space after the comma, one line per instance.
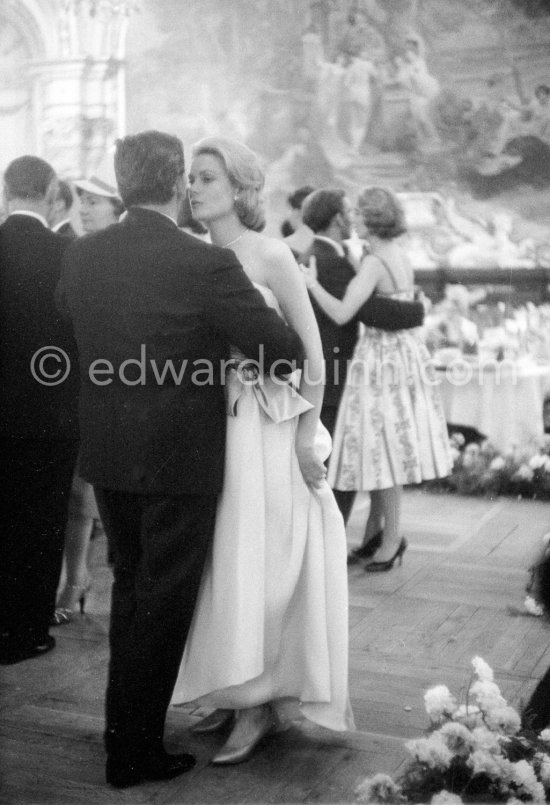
[503, 402]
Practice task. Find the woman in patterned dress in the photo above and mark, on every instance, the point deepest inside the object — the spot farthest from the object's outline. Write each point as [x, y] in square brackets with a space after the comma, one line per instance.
[391, 429]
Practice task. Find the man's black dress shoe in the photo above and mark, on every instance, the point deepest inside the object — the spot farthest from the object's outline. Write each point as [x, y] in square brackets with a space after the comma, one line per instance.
[163, 767]
[10, 653]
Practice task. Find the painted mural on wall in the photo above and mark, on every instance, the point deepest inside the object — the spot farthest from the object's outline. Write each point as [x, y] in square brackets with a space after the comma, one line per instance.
[447, 101]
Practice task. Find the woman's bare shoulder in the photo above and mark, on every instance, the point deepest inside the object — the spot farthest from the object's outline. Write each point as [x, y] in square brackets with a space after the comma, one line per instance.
[274, 249]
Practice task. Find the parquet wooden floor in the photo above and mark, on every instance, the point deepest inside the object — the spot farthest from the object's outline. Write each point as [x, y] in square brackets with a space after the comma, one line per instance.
[459, 593]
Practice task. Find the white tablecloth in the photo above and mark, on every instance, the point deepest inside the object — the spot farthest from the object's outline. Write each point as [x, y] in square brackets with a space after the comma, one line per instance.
[504, 403]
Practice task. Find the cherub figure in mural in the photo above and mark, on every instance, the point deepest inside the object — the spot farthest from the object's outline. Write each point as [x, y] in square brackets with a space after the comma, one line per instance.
[423, 88]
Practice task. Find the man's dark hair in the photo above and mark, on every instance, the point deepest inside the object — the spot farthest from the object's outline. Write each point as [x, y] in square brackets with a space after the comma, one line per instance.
[321, 206]
[542, 89]
[296, 199]
[28, 177]
[147, 166]
[64, 193]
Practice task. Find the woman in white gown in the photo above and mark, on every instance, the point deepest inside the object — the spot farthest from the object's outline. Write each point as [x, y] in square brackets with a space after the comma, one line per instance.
[271, 618]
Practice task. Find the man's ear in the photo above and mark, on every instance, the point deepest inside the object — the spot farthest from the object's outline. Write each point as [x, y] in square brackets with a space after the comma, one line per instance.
[51, 197]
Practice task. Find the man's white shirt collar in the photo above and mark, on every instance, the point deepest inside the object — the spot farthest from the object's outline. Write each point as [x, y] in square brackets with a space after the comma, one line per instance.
[31, 214]
[338, 248]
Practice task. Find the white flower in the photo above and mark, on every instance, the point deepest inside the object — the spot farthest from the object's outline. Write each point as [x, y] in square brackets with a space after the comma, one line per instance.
[482, 670]
[544, 765]
[504, 719]
[431, 751]
[446, 798]
[523, 775]
[523, 473]
[472, 449]
[439, 702]
[469, 715]
[455, 454]
[483, 762]
[487, 695]
[458, 738]
[531, 606]
[380, 788]
[537, 461]
[545, 735]
[497, 464]
[486, 740]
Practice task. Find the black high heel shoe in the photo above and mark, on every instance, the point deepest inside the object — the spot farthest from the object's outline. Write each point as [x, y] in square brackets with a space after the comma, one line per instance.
[380, 567]
[367, 550]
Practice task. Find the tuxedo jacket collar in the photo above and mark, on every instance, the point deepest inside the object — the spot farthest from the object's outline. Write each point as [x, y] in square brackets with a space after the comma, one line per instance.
[27, 216]
[145, 217]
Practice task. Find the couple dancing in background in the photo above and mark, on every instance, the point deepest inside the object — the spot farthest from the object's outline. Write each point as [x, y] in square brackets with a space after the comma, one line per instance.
[270, 622]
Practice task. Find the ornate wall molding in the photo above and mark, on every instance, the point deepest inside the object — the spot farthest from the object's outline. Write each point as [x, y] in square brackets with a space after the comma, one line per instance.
[63, 88]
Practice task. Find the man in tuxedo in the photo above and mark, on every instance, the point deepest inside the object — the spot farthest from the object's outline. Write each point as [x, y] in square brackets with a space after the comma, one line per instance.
[155, 311]
[61, 212]
[38, 411]
[328, 212]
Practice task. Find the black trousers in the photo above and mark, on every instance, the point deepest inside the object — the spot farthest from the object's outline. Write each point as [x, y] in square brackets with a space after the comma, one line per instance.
[158, 546]
[343, 499]
[36, 481]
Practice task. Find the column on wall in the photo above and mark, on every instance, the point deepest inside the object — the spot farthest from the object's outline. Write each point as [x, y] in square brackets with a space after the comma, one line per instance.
[78, 94]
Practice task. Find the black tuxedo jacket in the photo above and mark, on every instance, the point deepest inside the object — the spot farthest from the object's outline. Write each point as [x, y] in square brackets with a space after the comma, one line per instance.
[144, 291]
[30, 266]
[334, 274]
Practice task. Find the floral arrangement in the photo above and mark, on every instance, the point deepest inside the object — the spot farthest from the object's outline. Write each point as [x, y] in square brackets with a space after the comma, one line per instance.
[479, 469]
[473, 751]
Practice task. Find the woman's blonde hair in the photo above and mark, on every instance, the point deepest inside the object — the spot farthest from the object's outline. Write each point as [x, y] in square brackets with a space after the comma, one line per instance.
[245, 174]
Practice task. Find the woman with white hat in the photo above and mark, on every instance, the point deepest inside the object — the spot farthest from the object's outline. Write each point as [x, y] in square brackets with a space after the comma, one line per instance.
[100, 206]
[100, 203]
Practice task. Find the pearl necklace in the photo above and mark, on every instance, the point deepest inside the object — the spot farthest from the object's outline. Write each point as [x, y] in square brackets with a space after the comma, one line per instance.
[231, 242]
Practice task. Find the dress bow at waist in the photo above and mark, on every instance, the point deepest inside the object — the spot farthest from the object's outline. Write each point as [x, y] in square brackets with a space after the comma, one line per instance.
[277, 397]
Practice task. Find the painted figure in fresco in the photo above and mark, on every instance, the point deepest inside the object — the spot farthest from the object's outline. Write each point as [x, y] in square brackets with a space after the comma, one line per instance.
[360, 74]
[423, 88]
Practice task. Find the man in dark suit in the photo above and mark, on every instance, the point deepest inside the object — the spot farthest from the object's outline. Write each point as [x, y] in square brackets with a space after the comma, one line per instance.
[38, 411]
[155, 311]
[328, 213]
[61, 212]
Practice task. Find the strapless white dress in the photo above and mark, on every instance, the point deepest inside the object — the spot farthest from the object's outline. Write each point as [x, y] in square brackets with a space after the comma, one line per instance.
[271, 621]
